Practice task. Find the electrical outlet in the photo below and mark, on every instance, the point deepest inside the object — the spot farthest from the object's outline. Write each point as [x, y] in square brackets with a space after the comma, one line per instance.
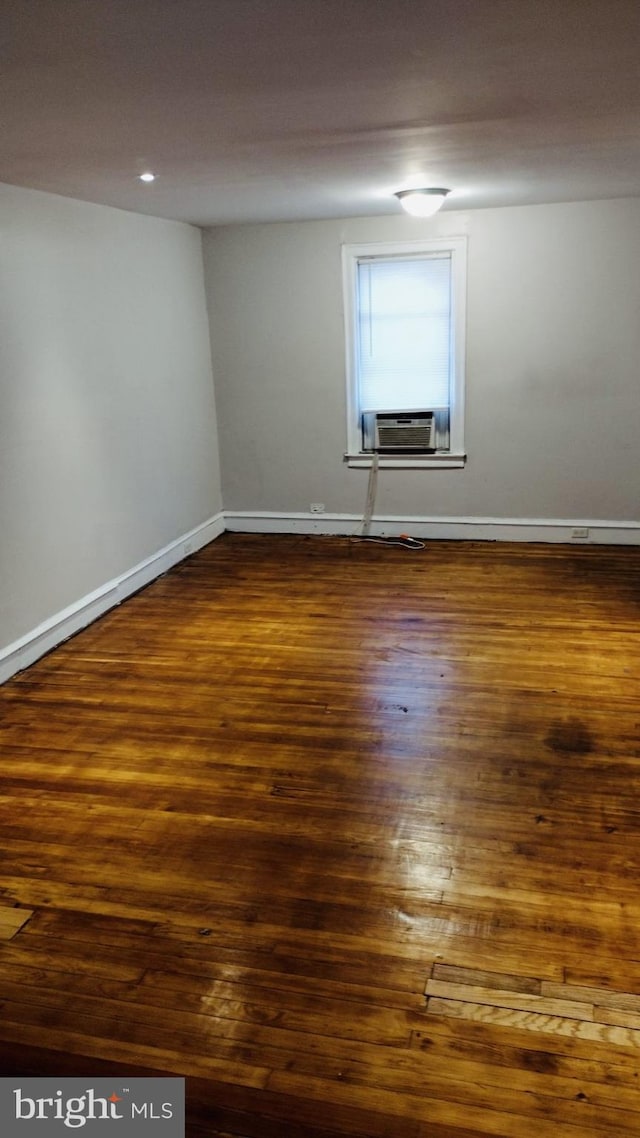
[317, 507]
[580, 533]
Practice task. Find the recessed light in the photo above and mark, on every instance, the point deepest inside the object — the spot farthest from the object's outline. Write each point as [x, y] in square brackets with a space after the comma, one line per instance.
[148, 177]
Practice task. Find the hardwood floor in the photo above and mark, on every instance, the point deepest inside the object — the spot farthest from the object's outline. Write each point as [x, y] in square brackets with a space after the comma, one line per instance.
[347, 835]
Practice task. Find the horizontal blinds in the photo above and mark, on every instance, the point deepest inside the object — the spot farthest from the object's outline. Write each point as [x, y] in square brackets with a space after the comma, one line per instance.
[404, 333]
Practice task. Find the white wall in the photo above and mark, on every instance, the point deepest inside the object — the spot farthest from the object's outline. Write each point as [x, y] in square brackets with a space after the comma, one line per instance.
[107, 420]
[553, 353]
[108, 446]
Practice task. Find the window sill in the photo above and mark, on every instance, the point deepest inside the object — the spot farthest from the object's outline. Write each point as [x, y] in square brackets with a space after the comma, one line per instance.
[442, 461]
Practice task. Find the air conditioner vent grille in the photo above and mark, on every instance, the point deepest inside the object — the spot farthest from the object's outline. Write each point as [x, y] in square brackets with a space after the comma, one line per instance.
[399, 432]
[408, 435]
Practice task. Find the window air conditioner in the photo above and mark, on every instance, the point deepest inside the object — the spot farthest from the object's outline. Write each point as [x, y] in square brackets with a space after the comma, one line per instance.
[399, 432]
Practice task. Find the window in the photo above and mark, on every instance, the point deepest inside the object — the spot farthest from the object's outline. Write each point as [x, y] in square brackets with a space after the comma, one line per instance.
[405, 312]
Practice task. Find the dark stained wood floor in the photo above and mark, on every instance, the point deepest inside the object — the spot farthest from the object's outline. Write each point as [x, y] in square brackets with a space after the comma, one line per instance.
[349, 836]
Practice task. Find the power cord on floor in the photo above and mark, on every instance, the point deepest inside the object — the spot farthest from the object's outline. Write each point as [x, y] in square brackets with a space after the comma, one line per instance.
[403, 541]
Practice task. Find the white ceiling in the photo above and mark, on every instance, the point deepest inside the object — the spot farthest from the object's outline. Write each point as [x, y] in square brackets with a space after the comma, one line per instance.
[270, 110]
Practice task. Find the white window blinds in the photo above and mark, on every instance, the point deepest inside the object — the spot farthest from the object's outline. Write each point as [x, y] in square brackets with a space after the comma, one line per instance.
[404, 335]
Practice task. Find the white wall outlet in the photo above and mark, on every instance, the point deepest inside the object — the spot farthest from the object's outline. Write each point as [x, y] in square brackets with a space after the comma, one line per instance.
[579, 533]
[317, 507]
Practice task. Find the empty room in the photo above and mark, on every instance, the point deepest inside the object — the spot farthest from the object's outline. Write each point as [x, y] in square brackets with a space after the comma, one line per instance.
[320, 568]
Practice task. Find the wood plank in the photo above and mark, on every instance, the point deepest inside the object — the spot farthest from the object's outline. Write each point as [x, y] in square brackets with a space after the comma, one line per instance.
[492, 1117]
[518, 1001]
[452, 974]
[532, 1021]
[613, 1015]
[12, 920]
[250, 817]
[604, 997]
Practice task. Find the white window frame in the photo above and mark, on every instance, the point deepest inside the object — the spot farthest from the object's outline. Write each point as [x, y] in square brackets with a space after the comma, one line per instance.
[455, 456]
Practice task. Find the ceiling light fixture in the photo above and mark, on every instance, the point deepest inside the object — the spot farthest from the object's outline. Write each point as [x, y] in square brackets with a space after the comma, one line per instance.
[148, 177]
[421, 203]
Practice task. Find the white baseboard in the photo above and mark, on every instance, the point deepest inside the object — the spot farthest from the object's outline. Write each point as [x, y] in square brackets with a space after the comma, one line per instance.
[452, 529]
[64, 624]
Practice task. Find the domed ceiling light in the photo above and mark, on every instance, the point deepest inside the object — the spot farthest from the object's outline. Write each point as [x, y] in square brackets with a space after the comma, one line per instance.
[422, 203]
